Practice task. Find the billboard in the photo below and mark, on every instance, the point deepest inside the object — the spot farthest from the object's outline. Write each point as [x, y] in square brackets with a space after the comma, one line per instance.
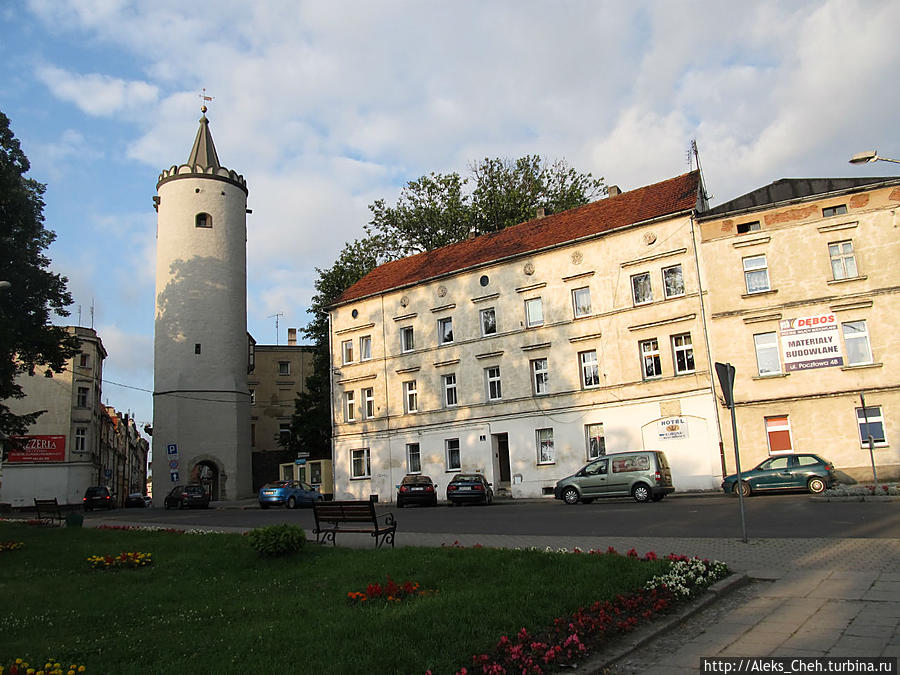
[38, 449]
[811, 342]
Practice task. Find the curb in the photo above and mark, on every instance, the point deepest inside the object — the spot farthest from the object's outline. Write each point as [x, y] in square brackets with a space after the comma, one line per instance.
[631, 642]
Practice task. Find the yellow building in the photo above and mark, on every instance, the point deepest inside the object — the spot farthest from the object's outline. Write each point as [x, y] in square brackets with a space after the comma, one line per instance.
[525, 353]
[803, 290]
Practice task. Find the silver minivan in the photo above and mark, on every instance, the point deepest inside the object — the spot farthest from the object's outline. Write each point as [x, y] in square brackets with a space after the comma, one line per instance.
[644, 475]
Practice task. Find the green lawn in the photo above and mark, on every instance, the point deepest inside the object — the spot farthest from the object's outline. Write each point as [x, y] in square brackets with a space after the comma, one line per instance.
[210, 604]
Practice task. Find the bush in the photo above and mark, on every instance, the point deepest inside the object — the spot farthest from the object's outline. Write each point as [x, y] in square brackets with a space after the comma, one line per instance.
[276, 540]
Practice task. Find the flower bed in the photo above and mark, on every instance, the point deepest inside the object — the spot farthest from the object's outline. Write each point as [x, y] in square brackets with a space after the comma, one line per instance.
[573, 637]
[389, 593]
[129, 559]
[22, 667]
[10, 546]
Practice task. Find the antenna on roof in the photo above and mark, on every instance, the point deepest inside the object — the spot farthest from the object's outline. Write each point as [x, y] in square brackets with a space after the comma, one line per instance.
[205, 98]
[275, 316]
[695, 154]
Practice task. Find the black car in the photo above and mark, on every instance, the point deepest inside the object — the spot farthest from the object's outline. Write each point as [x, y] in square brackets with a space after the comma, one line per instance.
[98, 497]
[187, 497]
[469, 488]
[139, 500]
[416, 489]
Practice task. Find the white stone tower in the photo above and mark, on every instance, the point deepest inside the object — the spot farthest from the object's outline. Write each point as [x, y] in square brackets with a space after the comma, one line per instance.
[201, 403]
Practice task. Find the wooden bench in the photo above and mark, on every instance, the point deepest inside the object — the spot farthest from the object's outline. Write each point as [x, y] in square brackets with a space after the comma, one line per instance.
[331, 518]
[48, 511]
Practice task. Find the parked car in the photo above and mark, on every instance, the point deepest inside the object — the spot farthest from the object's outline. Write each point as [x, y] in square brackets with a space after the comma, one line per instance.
[289, 493]
[98, 497]
[469, 488]
[139, 500]
[800, 471]
[644, 475]
[416, 489]
[187, 496]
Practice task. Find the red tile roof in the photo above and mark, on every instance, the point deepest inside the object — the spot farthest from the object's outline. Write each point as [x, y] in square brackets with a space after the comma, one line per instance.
[669, 197]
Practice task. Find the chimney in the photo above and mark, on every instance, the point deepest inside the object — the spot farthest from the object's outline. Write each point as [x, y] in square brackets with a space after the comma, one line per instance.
[613, 190]
[540, 212]
[292, 336]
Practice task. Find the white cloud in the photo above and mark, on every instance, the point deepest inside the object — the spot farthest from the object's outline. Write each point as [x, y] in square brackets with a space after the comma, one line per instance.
[97, 94]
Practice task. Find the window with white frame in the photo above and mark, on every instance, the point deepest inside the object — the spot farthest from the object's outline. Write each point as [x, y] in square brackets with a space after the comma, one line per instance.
[590, 371]
[673, 281]
[768, 361]
[778, 434]
[451, 450]
[347, 351]
[368, 402]
[284, 368]
[756, 274]
[856, 341]
[596, 441]
[449, 387]
[365, 348]
[838, 210]
[650, 362]
[540, 377]
[870, 421]
[407, 339]
[80, 439]
[445, 330]
[843, 260]
[683, 353]
[349, 407]
[360, 466]
[641, 292]
[413, 458]
[410, 396]
[546, 453]
[581, 301]
[284, 434]
[534, 313]
[82, 397]
[492, 380]
[488, 321]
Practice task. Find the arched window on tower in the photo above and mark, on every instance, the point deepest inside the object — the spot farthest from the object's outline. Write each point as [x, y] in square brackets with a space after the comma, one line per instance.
[203, 220]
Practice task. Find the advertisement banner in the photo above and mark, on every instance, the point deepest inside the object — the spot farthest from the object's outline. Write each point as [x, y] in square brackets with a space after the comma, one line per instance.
[38, 449]
[811, 342]
[672, 428]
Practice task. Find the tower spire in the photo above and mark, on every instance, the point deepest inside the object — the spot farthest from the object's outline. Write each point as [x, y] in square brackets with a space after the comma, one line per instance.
[204, 151]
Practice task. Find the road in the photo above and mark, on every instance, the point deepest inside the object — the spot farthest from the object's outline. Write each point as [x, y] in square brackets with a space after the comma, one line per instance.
[769, 516]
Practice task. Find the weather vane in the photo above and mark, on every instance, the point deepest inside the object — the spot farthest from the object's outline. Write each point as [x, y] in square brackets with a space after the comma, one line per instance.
[204, 98]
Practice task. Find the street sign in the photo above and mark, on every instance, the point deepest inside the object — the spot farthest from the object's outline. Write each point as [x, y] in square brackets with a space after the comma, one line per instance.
[302, 454]
[300, 462]
[173, 464]
[172, 449]
[725, 371]
[173, 476]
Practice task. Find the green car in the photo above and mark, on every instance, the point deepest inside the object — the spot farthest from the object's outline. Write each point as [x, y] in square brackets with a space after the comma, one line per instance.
[784, 472]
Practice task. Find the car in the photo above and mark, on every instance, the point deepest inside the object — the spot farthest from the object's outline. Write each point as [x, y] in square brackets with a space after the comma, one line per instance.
[289, 493]
[644, 475]
[796, 471]
[416, 489]
[469, 488]
[187, 497]
[139, 500]
[98, 497]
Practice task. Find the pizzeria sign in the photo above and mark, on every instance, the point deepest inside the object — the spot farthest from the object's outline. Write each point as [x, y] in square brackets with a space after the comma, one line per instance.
[37, 449]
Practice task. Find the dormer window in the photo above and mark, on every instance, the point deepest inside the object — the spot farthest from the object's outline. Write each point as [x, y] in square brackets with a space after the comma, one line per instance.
[748, 227]
[203, 220]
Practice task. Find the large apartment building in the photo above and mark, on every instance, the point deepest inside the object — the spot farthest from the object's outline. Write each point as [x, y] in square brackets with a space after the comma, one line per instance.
[525, 353]
[804, 293]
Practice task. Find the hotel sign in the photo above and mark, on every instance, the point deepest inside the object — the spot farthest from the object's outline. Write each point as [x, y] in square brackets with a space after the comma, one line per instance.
[811, 342]
[38, 449]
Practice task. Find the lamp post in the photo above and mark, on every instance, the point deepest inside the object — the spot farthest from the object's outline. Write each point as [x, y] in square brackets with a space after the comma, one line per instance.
[870, 156]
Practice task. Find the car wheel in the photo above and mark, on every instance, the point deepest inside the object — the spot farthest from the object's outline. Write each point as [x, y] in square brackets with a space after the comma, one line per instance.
[816, 485]
[743, 487]
[291, 503]
[570, 495]
[641, 493]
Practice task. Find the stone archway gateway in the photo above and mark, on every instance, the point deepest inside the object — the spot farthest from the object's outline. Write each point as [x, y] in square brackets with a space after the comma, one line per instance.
[207, 474]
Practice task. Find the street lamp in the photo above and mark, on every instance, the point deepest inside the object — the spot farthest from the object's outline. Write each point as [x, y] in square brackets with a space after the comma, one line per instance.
[4, 285]
[870, 156]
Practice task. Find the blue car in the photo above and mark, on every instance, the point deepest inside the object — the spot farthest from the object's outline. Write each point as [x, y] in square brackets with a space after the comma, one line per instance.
[289, 493]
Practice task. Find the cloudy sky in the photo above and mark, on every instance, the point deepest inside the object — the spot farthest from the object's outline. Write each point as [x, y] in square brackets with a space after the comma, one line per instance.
[326, 106]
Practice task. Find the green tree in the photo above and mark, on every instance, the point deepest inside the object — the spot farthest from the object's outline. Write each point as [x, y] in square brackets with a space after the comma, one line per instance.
[432, 211]
[28, 341]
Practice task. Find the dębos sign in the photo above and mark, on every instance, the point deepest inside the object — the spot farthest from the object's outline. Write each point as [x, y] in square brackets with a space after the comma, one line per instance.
[811, 342]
